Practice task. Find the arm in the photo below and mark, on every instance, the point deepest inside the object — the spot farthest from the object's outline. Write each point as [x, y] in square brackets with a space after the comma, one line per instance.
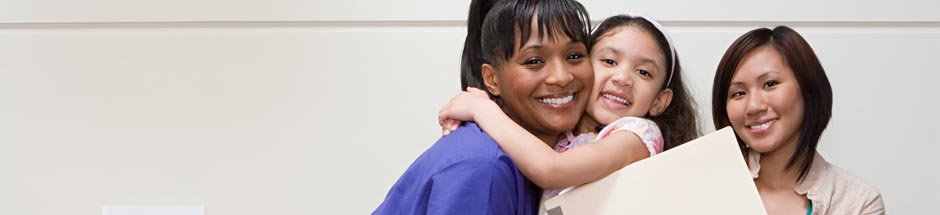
[545, 167]
[553, 170]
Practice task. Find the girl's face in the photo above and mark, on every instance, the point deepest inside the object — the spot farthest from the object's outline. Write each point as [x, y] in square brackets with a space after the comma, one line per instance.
[764, 104]
[544, 85]
[629, 71]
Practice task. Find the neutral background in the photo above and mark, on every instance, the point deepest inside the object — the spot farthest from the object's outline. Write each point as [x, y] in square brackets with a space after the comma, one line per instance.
[317, 107]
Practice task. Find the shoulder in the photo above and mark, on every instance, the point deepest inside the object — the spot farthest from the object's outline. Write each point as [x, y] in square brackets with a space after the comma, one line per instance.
[467, 132]
[848, 191]
[645, 129]
[631, 120]
[852, 185]
[637, 125]
[467, 146]
[468, 141]
[458, 172]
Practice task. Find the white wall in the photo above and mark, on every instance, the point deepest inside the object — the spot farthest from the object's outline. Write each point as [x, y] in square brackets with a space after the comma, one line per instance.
[304, 107]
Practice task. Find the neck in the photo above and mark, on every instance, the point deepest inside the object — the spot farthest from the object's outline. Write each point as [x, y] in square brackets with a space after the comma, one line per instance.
[773, 172]
[586, 124]
[549, 138]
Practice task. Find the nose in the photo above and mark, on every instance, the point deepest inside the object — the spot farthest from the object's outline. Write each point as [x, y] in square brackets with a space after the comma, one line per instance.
[622, 79]
[558, 74]
[756, 104]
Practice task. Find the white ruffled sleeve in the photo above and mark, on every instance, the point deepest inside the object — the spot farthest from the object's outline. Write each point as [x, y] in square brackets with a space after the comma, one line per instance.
[646, 129]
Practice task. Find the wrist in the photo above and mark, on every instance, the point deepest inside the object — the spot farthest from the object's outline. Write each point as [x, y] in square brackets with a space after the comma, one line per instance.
[483, 110]
[488, 109]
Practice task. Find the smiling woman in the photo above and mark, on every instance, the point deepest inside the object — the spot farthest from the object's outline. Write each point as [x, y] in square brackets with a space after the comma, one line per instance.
[543, 87]
[545, 83]
[535, 65]
[773, 91]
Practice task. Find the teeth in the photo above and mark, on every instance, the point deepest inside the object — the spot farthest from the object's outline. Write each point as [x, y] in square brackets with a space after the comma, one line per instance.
[616, 98]
[557, 101]
[762, 126]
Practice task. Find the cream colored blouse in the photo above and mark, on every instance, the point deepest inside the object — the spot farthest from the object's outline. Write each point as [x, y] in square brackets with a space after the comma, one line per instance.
[832, 189]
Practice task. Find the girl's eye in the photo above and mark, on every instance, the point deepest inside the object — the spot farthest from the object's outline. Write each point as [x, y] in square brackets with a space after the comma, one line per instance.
[737, 94]
[532, 61]
[609, 62]
[644, 73]
[771, 84]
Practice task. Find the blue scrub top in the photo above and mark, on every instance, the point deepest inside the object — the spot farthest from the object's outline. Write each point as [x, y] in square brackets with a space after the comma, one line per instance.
[464, 172]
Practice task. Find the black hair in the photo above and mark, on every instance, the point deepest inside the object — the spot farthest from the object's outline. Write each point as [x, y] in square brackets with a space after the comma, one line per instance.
[809, 73]
[679, 122]
[494, 25]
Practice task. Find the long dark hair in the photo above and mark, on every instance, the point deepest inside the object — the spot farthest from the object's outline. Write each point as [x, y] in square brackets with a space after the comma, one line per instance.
[493, 25]
[679, 122]
[809, 73]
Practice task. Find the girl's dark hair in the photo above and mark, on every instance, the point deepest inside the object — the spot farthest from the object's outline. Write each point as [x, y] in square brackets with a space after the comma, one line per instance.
[679, 122]
[809, 73]
[493, 25]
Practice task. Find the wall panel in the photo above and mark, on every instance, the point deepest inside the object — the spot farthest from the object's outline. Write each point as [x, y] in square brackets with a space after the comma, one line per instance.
[297, 107]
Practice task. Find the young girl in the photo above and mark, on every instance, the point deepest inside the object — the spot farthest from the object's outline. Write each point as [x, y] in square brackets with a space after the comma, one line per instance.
[638, 88]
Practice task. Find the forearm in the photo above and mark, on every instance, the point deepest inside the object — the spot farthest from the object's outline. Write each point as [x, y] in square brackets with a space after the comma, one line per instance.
[586, 163]
[551, 170]
[535, 159]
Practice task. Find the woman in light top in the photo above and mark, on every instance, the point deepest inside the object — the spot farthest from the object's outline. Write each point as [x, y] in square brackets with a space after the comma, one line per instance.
[772, 90]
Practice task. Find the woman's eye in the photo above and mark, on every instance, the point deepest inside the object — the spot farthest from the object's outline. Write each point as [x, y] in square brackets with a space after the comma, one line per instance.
[575, 56]
[737, 94]
[644, 73]
[533, 61]
[771, 84]
[609, 62]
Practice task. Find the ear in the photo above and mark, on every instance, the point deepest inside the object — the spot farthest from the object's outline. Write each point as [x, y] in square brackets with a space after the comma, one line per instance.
[489, 79]
[661, 102]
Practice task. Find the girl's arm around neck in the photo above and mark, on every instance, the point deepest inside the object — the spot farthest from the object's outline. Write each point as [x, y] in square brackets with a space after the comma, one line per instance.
[535, 159]
[552, 170]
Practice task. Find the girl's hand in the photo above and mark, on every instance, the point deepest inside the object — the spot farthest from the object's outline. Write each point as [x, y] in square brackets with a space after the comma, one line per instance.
[462, 108]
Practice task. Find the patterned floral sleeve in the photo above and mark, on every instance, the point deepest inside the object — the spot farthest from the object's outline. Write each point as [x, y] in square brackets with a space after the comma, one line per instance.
[646, 129]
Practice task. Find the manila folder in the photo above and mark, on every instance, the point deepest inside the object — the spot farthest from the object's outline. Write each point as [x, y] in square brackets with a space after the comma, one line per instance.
[707, 175]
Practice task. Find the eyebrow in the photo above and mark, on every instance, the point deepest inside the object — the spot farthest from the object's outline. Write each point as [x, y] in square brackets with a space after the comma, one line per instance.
[617, 51]
[645, 59]
[765, 74]
[540, 46]
[535, 46]
[573, 42]
[612, 49]
[759, 77]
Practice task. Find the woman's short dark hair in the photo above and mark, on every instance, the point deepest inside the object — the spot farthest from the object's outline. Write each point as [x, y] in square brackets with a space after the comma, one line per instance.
[679, 122]
[809, 73]
[493, 25]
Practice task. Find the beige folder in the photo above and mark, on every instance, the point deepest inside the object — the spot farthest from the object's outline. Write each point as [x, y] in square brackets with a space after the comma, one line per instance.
[707, 175]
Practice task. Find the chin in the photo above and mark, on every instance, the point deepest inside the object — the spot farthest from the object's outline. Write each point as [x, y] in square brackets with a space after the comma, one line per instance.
[601, 115]
[764, 146]
[558, 125]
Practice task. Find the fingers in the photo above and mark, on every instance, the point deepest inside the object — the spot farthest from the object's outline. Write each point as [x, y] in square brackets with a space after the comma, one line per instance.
[449, 125]
[473, 89]
[446, 117]
[441, 116]
[453, 124]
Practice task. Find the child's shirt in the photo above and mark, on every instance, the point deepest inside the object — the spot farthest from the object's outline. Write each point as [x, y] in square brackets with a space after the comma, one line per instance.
[646, 129]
